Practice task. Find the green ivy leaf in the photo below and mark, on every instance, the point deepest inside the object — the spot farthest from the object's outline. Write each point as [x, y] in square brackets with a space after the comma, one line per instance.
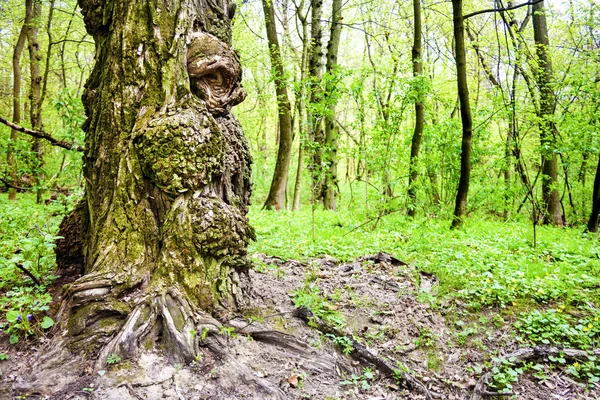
[12, 316]
[47, 322]
[14, 338]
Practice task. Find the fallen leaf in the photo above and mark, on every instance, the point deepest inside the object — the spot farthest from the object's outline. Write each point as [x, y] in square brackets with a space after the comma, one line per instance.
[293, 381]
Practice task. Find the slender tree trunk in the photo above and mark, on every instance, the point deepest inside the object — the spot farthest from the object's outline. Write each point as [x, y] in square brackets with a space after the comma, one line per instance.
[35, 96]
[167, 183]
[48, 51]
[276, 198]
[314, 117]
[460, 208]
[16, 64]
[543, 74]
[417, 59]
[330, 187]
[301, 102]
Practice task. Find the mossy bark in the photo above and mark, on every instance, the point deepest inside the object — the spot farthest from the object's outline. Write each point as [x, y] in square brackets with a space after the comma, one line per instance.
[164, 231]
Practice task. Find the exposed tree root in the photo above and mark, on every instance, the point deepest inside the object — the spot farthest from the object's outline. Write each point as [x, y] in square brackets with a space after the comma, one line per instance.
[361, 353]
[528, 354]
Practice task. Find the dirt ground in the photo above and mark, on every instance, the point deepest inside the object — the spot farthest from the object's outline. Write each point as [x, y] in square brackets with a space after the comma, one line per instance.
[272, 353]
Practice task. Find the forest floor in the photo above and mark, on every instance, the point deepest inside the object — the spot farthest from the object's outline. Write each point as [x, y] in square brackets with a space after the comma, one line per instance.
[445, 308]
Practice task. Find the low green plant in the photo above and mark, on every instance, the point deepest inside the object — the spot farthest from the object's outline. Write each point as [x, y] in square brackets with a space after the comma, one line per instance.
[426, 338]
[586, 370]
[556, 327]
[363, 381]
[113, 359]
[310, 297]
[504, 374]
[342, 342]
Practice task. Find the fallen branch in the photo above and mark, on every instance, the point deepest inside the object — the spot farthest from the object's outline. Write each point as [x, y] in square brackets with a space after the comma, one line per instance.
[361, 353]
[29, 274]
[528, 354]
[7, 183]
[41, 135]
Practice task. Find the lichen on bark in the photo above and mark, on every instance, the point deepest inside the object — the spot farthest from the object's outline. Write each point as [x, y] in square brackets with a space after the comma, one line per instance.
[164, 226]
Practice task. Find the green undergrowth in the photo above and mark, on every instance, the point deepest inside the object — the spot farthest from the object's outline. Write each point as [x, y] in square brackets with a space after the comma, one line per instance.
[551, 289]
[27, 262]
[487, 263]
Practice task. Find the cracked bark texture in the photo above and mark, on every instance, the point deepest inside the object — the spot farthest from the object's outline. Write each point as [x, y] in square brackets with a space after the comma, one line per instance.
[167, 168]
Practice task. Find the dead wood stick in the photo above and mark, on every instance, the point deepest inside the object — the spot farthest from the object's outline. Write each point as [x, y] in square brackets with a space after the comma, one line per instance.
[361, 353]
[527, 354]
[29, 274]
[41, 135]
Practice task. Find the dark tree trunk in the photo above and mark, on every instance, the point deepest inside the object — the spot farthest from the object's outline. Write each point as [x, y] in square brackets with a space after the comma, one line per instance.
[419, 115]
[314, 116]
[167, 173]
[330, 181]
[460, 208]
[543, 74]
[592, 225]
[16, 64]
[277, 194]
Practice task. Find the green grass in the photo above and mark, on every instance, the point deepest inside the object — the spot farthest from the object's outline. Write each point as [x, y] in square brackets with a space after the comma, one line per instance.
[488, 262]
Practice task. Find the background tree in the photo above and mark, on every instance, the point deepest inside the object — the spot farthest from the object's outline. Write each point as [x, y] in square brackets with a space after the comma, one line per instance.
[460, 208]
[543, 75]
[277, 194]
[417, 59]
[16, 94]
[330, 184]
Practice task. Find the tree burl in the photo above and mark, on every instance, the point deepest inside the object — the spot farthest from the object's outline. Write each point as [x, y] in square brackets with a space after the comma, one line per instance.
[167, 182]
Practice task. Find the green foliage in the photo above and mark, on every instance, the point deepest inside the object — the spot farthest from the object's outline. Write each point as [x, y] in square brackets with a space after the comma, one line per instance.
[487, 264]
[504, 374]
[586, 370]
[343, 342]
[113, 359]
[310, 297]
[559, 328]
[363, 381]
[426, 339]
[28, 232]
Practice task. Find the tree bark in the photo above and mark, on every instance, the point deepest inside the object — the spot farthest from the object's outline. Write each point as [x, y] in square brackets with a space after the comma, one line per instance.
[276, 198]
[417, 61]
[314, 116]
[547, 103]
[460, 208]
[592, 225]
[35, 97]
[277, 193]
[16, 64]
[167, 173]
[301, 104]
[330, 181]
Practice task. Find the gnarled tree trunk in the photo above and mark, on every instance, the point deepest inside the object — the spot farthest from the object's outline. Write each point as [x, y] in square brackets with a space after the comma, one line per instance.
[167, 173]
